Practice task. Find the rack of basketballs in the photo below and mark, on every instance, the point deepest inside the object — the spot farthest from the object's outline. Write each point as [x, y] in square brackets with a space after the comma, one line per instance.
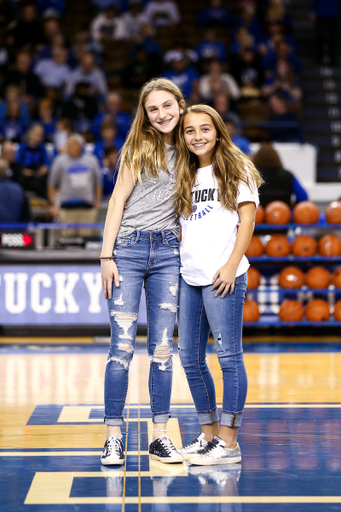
[295, 272]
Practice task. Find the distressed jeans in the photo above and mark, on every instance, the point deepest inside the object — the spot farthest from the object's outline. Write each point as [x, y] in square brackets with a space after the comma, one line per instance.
[199, 313]
[151, 259]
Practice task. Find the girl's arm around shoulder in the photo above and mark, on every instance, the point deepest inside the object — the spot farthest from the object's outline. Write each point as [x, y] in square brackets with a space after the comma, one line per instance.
[123, 188]
[224, 278]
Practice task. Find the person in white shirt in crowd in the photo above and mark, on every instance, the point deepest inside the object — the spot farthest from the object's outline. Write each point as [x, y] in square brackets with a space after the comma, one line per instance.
[54, 72]
[104, 26]
[77, 177]
[162, 13]
[216, 202]
[131, 22]
[216, 80]
[88, 72]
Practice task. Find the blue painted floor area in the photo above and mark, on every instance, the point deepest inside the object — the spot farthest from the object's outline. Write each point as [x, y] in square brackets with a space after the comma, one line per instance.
[286, 452]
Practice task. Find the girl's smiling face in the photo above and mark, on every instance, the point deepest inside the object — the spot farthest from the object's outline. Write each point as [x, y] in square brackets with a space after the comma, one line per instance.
[200, 136]
[163, 111]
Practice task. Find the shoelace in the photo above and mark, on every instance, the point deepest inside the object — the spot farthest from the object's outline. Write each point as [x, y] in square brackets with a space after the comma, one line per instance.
[168, 445]
[113, 444]
[195, 440]
[210, 445]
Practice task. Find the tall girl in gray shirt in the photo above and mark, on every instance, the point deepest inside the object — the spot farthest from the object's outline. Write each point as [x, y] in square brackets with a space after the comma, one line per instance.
[141, 246]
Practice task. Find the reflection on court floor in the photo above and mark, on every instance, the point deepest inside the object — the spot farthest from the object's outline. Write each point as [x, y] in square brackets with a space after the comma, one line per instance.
[50, 449]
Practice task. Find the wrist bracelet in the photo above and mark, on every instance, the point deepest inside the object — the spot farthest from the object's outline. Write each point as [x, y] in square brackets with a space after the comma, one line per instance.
[106, 258]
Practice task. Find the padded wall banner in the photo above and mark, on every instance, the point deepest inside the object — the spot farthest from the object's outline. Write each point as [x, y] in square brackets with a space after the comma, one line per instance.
[54, 295]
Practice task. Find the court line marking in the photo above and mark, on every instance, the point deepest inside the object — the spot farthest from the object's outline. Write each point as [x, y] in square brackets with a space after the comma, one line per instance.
[46, 489]
[64, 454]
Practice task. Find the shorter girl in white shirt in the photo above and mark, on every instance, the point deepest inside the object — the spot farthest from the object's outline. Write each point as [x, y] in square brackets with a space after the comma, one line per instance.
[217, 199]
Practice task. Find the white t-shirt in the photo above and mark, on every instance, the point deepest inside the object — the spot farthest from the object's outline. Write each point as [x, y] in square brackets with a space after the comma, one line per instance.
[209, 234]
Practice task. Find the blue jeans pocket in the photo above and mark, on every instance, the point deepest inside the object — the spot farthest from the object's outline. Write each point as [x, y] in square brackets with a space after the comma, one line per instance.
[173, 242]
[123, 242]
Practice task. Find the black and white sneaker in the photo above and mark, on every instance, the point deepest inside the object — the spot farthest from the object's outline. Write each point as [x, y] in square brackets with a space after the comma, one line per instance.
[113, 452]
[216, 453]
[162, 449]
[199, 443]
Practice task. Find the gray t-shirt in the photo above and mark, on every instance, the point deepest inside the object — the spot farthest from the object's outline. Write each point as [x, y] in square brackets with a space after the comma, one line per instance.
[150, 206]
[76, 178]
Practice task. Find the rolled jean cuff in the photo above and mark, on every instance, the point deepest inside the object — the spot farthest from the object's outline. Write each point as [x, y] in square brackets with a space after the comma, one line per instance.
[161, 418]
[229, 419]
[114, 422]
[207, 418]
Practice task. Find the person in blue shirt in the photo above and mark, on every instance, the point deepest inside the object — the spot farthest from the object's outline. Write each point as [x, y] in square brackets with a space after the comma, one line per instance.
[33, 157]
[211, 48]
[46, 118]
[11, 126]
[13, 203]
[109, 170]
[241, 142]
[216, 15]
[112, 112]
[279, 184]
[326, 16]
[51, 7]
[184, 76]
[108, 139]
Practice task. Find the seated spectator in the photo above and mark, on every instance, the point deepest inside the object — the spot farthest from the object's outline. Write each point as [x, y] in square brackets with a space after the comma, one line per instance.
[57, 42]
[248, 20]
[248, 72]
[11, 95]
[77, 177]
[46, 118]
[30, 87]
[275, 13]
[131, 22]
[112, 112]
[283, 51]
[283, 81]
[147, 41]
[279, 184]
[184, 76]
[62, 133]
[109, 170]
[9, 153]
[51, 7]
[81, 109]
[180, 44]
[52, 28]
[221, 103]
[105, 26]
[216, 15]
[11, 127]
[83, 44]
[139, 71]
[33, 157]
[13, 203]
[162, 13]
[269, 42]
[108, 139]
[284, 125]
[210, 48]
[232, 128]
[27, 34]
[88, 73]
[216, 80]
[54, 72]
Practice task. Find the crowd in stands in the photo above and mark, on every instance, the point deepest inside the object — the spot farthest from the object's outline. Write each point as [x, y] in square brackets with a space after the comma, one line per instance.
[54, 84]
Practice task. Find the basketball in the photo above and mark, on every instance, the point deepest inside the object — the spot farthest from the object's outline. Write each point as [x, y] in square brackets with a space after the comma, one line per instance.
[253, 278]
[291, 277]
[259, 215]
[306, 212]
[304, 246]
[277, 212]
[333, 213]
[337, 311]
[278, 245]
[251, 311]
[291, 311]
[317, 310]
[330, 245]
[318, 277]
[255, 248]
[336, 278]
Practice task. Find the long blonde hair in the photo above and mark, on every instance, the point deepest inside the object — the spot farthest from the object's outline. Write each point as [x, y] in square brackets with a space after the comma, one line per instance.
[230, 165]
[144, 149]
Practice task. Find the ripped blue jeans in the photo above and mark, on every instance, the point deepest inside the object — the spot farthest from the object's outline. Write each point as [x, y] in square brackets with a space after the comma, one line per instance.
[152, 259]
[201, 312]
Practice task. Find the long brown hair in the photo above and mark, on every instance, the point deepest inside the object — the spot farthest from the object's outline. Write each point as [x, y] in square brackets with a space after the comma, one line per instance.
[230, 165]
[267, 157]
[144, 149]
